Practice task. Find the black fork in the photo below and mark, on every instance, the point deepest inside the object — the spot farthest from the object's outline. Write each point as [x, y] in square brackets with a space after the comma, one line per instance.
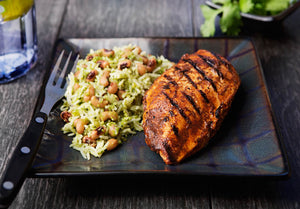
[22, 157]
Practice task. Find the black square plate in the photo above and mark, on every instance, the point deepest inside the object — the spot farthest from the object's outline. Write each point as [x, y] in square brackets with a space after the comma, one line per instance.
[248, 143]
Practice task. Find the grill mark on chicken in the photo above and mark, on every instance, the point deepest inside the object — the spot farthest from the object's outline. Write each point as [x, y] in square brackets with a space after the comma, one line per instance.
[171, 81]
[194, 85]
[187, 76]
[195, 66]
[181, 111]
[166, 86]
[193, 103]
[211, 63]
[191, 62]
[171, 113]
[227, 65]
[212, 83]
[204, 96]
[175, 130]
[166, 119]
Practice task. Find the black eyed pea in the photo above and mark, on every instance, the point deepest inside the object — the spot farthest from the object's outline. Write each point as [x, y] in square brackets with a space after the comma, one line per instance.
[89, 93]
[107, 52]
[138, 50]
[65, 115]
[91, 90]
[86, 98]
[102, 64]
[124, 64]
[76, 86]
[106, 73]
[145, 60]
[89, 57]
[113, 115]
[142, 69]
[126, 53]
[96, 102]
[89, 140]
[92, 75]
[113, 88]
[103, 81]
[121, 94]
[79, 125]
[111, 144]
[109, 115]
[77, 73]
[151, 64]
[97, 132]
[113, 130]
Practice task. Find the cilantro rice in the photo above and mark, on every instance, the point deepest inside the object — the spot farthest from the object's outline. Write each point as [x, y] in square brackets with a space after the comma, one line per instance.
[89, 96]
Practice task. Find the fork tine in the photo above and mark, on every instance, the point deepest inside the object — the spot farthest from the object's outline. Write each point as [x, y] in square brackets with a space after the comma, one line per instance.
[62, 74]
[56, 66]
[75, 64]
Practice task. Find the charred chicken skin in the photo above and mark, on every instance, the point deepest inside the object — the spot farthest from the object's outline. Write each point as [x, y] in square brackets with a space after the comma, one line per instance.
[186, 105]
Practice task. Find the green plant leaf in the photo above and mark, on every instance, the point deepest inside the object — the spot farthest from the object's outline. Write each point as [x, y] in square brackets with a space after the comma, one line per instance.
[246, 5]
[208, 28]
[230, 21]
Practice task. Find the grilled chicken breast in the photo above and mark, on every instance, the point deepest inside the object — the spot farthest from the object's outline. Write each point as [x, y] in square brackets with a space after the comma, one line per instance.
[186, 105]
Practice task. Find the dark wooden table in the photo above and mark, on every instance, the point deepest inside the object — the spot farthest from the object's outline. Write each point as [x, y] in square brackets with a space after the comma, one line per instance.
[279, 51]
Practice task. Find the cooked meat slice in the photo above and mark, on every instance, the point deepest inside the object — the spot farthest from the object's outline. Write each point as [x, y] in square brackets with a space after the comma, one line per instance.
[185, 106]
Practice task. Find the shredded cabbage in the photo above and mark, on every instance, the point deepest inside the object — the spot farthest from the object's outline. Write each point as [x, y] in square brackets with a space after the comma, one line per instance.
[128, 106]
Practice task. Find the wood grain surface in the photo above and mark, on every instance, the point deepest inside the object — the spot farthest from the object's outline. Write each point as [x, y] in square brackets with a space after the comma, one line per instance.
[279, 51]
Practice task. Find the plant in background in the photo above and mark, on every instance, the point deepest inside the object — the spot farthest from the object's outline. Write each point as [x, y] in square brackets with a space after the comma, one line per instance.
[231, 21]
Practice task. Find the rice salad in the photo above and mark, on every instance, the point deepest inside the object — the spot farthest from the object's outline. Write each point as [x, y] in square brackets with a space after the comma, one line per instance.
[103, 100]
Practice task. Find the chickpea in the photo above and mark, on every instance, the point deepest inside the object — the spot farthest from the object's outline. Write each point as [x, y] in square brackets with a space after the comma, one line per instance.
[79, 125]
[103, 64]
[65, 115]
[111, 144]
[103, 81]
[142, 69]
[109, 115]
[92, 75]
[124, 64]
[107, 52]
[113, 88]
[96, 103]
[113, 130]
[121, 94]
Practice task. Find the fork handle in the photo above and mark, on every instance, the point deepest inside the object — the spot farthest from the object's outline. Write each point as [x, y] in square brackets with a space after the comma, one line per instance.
[21, 160]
